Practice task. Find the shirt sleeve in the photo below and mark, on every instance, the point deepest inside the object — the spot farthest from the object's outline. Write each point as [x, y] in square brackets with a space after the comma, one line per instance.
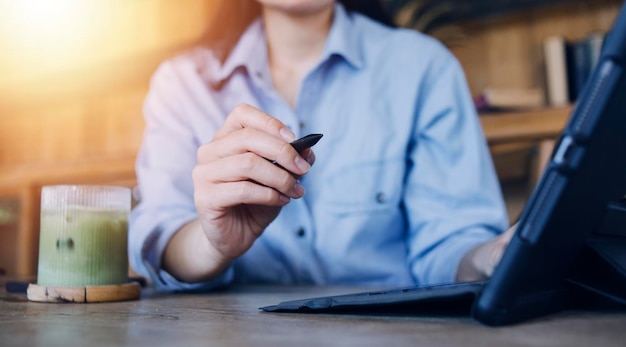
[164, 171]
[453, 197]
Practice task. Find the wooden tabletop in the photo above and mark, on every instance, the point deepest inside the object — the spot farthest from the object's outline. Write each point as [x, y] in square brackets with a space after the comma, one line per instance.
[232, 318]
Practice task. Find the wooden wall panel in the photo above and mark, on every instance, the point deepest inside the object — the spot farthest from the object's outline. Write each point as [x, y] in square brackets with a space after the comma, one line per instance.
[8, 235]
[107, 127]
[123, 125]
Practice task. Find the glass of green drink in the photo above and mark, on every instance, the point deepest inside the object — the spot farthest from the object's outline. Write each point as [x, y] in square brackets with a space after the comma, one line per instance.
[83, 236]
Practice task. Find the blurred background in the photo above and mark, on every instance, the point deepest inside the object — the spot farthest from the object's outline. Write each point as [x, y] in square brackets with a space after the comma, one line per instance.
[74, 73]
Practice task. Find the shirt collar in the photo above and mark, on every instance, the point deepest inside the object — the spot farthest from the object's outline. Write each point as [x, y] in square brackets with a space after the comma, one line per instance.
[250, 52]
[343, 39]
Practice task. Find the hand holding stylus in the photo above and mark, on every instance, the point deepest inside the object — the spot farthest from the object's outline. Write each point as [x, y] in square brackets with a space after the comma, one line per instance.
[243, 178]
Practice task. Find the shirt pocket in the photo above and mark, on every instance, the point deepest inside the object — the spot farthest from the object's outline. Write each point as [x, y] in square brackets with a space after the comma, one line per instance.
[366, 188]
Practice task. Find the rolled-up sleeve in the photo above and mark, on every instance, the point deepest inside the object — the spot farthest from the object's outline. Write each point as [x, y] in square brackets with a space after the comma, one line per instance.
[453, 198]
[164, 168]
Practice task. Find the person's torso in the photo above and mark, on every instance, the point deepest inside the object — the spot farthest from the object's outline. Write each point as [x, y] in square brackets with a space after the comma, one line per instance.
[350, 226]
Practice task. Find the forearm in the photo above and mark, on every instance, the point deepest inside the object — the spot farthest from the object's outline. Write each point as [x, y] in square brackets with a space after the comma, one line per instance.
[190, 257]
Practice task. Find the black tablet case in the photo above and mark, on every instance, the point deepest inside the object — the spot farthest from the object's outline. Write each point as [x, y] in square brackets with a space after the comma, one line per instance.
[570, 246]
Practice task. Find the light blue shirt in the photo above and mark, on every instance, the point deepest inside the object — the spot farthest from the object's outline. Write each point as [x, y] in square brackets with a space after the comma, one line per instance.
[403, 185]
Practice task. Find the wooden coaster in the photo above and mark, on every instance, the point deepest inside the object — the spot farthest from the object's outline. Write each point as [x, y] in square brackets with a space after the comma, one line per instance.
[127, 291]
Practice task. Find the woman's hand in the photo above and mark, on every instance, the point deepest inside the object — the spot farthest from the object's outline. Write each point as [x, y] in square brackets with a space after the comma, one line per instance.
[238, 191]
[480, 262]
[241, 181]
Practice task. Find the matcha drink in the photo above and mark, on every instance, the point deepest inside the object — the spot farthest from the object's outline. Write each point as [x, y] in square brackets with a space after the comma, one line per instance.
[82, 244]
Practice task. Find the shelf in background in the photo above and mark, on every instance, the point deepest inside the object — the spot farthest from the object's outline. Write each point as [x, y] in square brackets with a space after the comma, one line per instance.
[430, 15]
[521, 143]
[524, 126]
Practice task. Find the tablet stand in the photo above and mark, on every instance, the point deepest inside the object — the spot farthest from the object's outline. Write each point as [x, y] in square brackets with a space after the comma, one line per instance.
[602, 265]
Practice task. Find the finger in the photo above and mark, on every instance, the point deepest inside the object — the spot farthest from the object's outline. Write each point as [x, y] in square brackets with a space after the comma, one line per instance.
[309, 156]
[248, 167]
[251, 140]
[232, 194]
[246, 116]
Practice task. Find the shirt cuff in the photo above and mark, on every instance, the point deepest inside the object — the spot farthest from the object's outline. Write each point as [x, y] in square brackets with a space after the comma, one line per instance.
[168, 283]
[152, 253]
[444, 262]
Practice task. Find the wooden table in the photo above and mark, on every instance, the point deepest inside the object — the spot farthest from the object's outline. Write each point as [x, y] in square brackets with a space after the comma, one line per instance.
[232, 318]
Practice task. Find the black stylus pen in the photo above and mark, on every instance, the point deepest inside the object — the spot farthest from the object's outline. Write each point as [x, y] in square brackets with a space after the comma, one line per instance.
[306, 142]
[303, 143]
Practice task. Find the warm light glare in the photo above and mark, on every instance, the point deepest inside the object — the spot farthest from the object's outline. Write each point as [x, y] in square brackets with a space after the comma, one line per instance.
[47, 42]
[44, 14]
[43, 34]
[54, 20]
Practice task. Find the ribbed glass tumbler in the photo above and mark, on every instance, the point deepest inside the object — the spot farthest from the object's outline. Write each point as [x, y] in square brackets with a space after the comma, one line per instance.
[83, 236]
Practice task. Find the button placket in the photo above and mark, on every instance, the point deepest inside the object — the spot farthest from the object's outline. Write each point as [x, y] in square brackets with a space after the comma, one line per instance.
[309, 92]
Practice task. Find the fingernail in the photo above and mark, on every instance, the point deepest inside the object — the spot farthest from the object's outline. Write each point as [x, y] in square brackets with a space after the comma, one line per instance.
[284, 198]
[309, 156]
[287, 134]
[298, 189]
[302, 164]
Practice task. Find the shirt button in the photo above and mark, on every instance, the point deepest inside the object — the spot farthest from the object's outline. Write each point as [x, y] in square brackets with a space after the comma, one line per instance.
[300, 232]
[302, 125]
[381, 198]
